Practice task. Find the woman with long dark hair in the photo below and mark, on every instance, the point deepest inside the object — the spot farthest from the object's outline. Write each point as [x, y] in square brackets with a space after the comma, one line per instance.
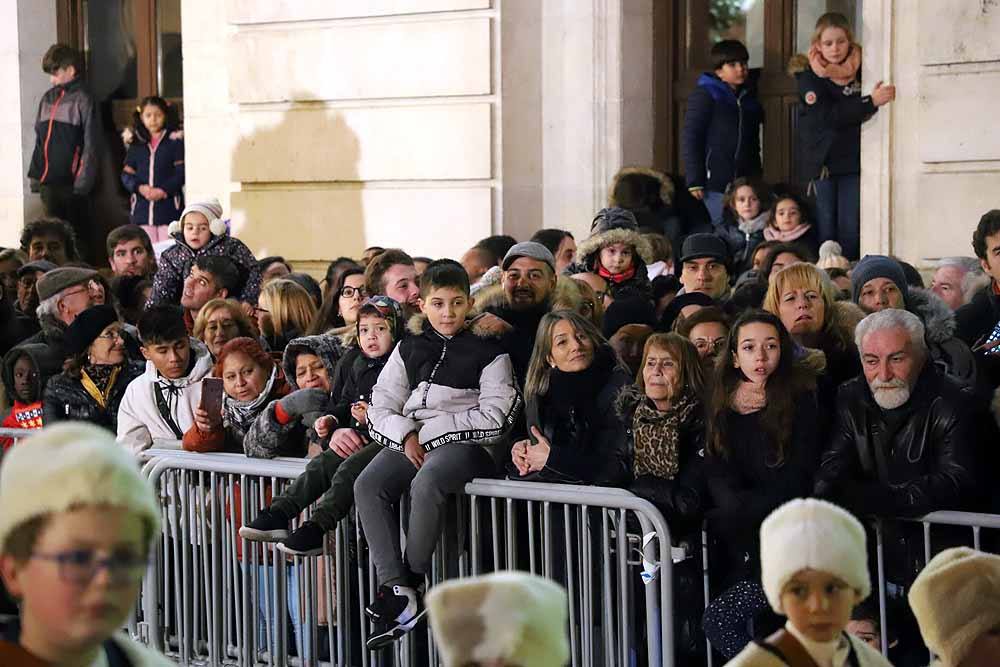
[339, 312]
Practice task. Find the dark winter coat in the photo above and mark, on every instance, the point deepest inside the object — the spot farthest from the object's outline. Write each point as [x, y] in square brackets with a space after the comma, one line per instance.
[589, 253]
[161, 167]
[67, 400]
[741, 245]
[589, 443]
[356, 377]
[47, 364]
[909, 461]
[519, 342]
[721, 135]
[975, 321]
[951, 356]
[830, 118]
[16, 326]
[683, 498]
[176, 262]
[67, 132]
[52, 335]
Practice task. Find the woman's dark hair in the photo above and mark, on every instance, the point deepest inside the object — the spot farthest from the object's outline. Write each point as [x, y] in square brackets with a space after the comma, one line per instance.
[265, 262]
[759, 188]
[550, 238]
[783, 387]
[334, 269]
[805, 213]
[309, 284]
[171, 120]
[794, 248]
[328, 316]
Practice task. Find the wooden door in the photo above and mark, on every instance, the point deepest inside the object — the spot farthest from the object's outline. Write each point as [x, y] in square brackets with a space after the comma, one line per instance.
[773, 31]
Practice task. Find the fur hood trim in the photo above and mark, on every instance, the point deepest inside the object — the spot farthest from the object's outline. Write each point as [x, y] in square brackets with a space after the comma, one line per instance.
[844, 317]
[628, 400]
[666, 185]
[588, 249]
[812, 361]
[491, 296]
[797, 64]
[325, 346]
[938, 319]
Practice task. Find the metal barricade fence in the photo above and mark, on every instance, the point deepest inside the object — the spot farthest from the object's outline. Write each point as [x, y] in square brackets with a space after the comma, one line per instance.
[975, 522]
[211, 598]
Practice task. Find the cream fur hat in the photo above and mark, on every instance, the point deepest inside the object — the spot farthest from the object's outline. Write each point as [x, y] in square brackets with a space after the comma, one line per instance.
[816, 535]
[956, 598]
[66, 465]
[511, 616]
[210, 208]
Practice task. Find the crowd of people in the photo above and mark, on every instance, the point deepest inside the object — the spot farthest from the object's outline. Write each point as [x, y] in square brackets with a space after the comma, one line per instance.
[720, 358]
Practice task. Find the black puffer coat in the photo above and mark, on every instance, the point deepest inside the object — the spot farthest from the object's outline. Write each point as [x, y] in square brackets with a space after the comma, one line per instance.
[909, 461]
[65, 399]
[589, 443]
[683, 498]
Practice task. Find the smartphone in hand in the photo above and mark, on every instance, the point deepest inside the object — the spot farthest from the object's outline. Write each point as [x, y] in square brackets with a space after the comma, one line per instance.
[211, 396]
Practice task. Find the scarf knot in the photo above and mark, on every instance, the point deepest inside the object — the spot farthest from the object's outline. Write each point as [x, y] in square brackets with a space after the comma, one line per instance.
[840, 73]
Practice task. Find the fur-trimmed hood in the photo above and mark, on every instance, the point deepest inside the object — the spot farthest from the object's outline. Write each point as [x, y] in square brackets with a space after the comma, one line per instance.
[797, 64]
[843, 319]
[588, 249]
[634, 188]
[628, 400]
[938, 318]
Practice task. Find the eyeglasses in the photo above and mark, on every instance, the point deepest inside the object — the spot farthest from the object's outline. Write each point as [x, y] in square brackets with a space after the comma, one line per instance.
[349, 292]
[80, 566]
[112, 335]
[703, 344]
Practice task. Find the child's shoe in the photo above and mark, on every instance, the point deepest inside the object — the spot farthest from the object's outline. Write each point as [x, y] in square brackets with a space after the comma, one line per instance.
[269, 526]
[396, 610]
[307, 540]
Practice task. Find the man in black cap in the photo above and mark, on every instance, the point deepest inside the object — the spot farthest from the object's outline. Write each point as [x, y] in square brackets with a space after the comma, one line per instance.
[705, 266]
[63, 294]
[17, 309]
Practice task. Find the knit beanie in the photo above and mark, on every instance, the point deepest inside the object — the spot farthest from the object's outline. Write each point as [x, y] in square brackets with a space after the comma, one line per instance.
[210, 208]
[388, 309]
[513, 617]
[831, 256]
[956, 598]
[67, 465]
[630, 310]
[613, 218]
[816, 535]
[247, 346]
[877, 266]
[87, 326]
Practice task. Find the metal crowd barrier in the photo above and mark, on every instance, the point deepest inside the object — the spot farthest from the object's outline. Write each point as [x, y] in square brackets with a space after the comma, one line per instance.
[210, 598]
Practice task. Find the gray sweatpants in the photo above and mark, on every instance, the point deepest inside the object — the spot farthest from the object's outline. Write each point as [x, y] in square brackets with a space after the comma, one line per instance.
[381, 485]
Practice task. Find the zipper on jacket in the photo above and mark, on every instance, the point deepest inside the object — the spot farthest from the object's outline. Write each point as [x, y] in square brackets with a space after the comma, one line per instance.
[739, 132]
[152, 160]
[708, 170]
[48, 135]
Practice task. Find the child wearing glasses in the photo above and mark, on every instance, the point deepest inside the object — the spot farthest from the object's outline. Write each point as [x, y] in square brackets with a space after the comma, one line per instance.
[75, 535]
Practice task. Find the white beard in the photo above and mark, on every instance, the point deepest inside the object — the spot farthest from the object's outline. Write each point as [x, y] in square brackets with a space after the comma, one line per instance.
[891, 397]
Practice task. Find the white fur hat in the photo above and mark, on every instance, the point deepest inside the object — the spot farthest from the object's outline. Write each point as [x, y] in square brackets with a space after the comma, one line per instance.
[210, 208]
[70, 464]
[511, 616]
[816, 535]
[956, 598]
[831, 256]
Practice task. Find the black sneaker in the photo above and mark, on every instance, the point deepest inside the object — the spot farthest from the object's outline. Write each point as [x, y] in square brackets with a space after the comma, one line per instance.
[269, 526]
[401, 608]
[307, 540]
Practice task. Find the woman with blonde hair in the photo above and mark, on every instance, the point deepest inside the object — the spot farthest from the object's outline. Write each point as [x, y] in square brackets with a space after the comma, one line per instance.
[221, 320]
[805, 300]
[284, 311]
[570, 389]
[831, 112]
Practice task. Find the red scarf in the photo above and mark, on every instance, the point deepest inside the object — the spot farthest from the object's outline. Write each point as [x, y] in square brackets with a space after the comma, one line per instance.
[616, 278]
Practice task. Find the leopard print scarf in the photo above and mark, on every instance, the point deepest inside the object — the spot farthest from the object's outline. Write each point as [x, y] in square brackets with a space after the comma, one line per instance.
[657, 436]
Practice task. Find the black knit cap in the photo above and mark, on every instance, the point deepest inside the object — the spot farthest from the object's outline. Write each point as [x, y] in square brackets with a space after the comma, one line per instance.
[631, 310]
[87, 326]
[613, 218]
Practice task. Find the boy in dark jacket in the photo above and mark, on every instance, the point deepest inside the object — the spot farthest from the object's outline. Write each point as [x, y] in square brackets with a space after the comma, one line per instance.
[444, 396]
[26, 370]
[330, 476]
[64, 163]
[721, 137]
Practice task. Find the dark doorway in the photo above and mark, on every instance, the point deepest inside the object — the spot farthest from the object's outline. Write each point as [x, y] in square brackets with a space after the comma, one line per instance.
[773, 31]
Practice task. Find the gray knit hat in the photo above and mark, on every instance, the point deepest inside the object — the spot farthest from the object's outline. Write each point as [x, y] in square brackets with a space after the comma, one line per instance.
[877, 266]
[57, 280]
[530, 249]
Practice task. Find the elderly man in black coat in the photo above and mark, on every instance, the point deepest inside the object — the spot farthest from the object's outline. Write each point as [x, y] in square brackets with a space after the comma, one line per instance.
[904, 435]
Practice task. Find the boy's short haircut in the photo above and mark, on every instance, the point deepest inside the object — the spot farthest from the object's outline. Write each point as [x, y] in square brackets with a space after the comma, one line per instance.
[988, 225]
[551, 238]
[162, 324]
[444, 273]
[375, 273]
[127, 233]
[728, 51]
[48, 225]
[223, 270]
[59, 56]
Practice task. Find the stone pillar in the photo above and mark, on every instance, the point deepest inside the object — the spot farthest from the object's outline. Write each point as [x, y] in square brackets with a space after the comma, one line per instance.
[27, 29]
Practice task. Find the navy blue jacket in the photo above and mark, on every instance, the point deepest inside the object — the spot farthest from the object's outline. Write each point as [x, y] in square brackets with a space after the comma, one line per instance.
[67, 132]
[162, 167]
[721, 137]
[830, 118]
